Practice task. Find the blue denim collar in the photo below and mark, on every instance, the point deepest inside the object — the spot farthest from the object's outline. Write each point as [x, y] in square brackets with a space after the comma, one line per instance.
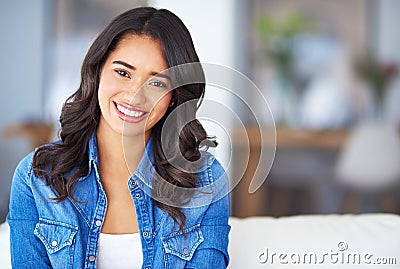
[93, 152]
[144, 169]
[144, 175]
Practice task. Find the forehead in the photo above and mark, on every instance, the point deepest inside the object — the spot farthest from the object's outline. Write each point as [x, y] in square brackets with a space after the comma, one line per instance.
[141, 51]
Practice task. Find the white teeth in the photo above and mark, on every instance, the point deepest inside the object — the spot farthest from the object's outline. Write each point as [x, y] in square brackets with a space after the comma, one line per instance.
[128, 112]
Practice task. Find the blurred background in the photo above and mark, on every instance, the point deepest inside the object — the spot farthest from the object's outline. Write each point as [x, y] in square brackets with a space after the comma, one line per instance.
[329, 70]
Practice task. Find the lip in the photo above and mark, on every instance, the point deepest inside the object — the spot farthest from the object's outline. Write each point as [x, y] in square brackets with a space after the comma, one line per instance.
[127, 118]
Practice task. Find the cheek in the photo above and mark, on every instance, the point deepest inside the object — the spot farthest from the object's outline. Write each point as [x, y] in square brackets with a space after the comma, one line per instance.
[160, 107]
[102, 98]
[101, 93]
[104, 83]
[163, 104]
[106, 88]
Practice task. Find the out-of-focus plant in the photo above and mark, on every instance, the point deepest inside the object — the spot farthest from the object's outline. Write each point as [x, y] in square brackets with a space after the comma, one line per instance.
[375, 73]
[277, 38]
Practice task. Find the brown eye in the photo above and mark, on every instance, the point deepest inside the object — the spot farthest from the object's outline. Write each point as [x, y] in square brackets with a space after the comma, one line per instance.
[122, 73]
[157, 83]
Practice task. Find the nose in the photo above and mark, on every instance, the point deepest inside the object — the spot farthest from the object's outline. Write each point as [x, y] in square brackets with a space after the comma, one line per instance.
[135, 93]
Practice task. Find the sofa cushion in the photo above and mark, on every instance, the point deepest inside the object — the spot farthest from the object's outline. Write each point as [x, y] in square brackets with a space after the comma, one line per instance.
[5, 261]
[316, 241]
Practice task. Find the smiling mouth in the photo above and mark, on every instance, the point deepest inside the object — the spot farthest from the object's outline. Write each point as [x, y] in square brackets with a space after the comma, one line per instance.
[130, 114]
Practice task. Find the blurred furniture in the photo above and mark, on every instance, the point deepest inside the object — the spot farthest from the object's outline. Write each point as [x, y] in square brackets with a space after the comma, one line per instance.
[289, 138]
[371, 158]
[293, 145]
[370, 163]
[37, 133]
[301, 241]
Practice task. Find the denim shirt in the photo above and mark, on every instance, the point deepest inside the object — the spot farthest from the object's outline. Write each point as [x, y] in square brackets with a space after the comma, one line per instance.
[48, 234]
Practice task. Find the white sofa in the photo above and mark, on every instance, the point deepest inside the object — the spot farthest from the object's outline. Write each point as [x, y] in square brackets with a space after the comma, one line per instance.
[305, 241]
[316, 241]
[4, 246]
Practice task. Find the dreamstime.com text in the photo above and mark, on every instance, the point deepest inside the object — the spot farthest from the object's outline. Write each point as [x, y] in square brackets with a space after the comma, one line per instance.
[340, 256]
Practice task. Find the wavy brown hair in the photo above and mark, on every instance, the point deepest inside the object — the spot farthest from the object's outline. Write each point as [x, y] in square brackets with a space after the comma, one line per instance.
[61, 164]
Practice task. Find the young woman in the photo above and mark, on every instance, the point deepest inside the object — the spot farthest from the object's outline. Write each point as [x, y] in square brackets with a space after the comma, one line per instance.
[84, 201]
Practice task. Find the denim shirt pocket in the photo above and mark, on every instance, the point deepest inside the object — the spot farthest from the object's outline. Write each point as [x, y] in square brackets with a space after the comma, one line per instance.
[58, 239]
[180, 247]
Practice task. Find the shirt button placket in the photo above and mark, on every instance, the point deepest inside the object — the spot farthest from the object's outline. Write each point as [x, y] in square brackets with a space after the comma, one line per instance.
[95, 230]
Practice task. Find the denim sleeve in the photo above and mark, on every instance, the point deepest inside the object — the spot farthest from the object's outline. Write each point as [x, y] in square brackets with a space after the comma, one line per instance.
[26, 249]
[213, 252]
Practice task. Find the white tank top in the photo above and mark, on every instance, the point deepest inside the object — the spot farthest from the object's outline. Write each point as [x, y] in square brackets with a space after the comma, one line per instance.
[119, 251]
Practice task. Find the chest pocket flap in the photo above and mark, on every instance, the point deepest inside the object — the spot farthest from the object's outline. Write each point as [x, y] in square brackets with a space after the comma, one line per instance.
[183, 245]
[55, 235]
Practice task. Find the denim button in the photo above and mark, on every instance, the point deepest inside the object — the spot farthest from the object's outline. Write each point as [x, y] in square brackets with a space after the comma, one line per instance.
[91, 258]
[137, 195]
[133, 183]
[98, 223]
[54, 243]
[145, 234]
[185, 251]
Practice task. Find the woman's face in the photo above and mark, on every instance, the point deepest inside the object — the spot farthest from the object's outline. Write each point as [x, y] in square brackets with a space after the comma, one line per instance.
[134, 92]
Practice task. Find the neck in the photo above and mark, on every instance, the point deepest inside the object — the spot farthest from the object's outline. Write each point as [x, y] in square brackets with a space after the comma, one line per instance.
[113, 154]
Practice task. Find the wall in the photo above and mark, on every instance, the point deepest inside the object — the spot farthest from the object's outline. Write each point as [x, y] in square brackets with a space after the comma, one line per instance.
[388, 37]
[386, 44]
[21, 72]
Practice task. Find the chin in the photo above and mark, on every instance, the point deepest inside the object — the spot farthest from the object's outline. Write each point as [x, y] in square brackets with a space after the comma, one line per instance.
[132, 132]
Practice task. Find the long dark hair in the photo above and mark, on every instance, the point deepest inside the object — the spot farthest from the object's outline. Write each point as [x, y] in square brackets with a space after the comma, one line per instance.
[80, 114]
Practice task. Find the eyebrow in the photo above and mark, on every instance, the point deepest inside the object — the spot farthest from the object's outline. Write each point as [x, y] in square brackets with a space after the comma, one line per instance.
[124, 64]
[161, 75]
[155, 74]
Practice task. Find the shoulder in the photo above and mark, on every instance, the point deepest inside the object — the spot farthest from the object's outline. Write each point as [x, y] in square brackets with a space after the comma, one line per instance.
[26, 161]
[24, 169]
[21, 190]
[212, 170]
[213, 178]
[25, 165]
[212, 186]
[209, 204]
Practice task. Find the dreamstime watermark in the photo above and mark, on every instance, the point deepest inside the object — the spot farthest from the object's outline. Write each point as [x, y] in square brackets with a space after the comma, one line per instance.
[340, 256]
